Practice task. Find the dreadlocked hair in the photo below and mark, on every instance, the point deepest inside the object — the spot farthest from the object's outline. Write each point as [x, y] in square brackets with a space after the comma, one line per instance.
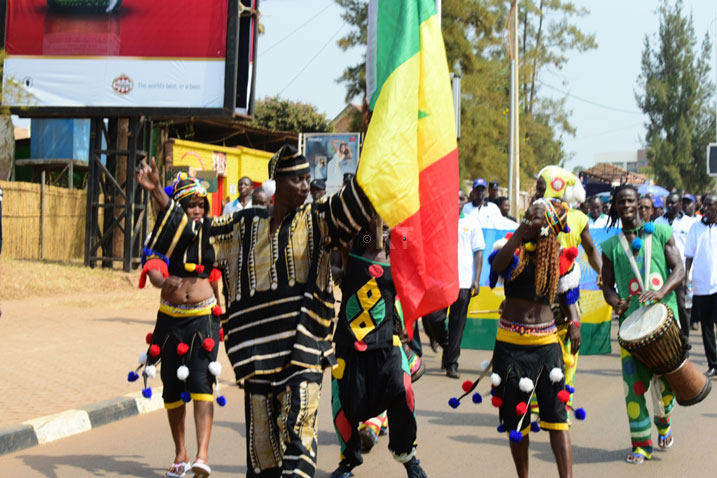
[612, 213]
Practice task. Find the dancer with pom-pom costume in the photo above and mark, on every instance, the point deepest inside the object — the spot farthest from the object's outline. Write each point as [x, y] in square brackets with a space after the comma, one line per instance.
[527, 359]
[186, 335]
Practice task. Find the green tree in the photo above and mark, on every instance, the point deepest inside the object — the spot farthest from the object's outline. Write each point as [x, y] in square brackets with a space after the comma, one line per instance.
[675, 93]
[279, 114]
[473, 34]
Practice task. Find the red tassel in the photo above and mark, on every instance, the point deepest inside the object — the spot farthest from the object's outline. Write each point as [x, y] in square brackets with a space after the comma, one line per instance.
[215, 275]
[564, 396]
[221, 335]
[148, 338]
[497, 402]
[182, 349]
[154, 351]
[467, 385]
[208, 344]
[521, 408]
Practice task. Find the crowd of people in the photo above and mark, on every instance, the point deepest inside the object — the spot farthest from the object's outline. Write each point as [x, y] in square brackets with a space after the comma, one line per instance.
[278, 255]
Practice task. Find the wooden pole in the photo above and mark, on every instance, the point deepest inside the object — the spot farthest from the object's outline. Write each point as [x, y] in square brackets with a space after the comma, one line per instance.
[514, 144]
[42, 214]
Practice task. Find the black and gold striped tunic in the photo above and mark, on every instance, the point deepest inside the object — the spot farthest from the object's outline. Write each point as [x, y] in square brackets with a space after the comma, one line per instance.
[280, 314]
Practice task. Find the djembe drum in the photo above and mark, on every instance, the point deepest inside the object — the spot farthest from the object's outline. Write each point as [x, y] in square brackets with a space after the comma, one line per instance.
[652, 336]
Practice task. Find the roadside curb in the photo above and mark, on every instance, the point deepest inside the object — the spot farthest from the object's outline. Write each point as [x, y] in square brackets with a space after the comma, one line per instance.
[71, 422]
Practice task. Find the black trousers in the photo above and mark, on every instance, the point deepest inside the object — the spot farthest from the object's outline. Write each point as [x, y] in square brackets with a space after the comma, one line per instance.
[450, 339]
[683, 313]
[704, 309]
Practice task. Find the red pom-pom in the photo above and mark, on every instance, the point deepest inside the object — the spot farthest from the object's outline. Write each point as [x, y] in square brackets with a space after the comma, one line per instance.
[154, 351]
[221, 335]
[148, 338]
[508, 235]
[467, 385]
[375, 270]
[208, 344]
[497, 402]
[217, 311]
[360, 346]
[564, 396]
[182, 349]
[571, 253]
[567, 258]
[199, 269]
[521, 408]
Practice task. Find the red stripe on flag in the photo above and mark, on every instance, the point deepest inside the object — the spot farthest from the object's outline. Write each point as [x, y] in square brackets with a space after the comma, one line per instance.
[424, 247]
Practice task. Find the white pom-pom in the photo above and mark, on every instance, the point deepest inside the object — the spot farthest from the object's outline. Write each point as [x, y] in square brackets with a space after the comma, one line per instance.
[142, 358]
[525, 384]
[182, 372]
[556, 375]
[484, 365]
[495, 379]
[269, 187]
[215, 368]
[150, 371]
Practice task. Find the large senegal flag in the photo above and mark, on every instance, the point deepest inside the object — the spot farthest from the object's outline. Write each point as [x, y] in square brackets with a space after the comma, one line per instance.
[409, 161]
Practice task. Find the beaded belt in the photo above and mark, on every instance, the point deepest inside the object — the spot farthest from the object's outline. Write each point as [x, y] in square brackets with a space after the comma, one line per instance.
[547, 328]
[187, 310]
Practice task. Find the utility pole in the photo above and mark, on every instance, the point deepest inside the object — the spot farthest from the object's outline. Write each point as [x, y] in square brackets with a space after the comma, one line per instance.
[514, 145]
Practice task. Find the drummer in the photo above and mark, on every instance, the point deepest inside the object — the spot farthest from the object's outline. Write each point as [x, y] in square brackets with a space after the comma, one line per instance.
[620, 258]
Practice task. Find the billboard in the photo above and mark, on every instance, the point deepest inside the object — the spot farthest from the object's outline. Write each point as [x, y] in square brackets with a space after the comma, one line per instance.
[331, 155]
[122, 56]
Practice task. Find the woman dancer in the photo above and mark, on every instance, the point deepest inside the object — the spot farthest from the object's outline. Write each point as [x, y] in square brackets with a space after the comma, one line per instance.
[527, 359]
[187, 329]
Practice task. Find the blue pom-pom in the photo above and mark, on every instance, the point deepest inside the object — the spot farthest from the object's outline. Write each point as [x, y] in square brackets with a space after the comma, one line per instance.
[515, 436]
[580, 414]
[454, 402]
[637, 244]
[570, 388]
[221, 400]
[501, 428]
[147, 392]
[132, 376]
[535, 427]
[186, 398]
[572, 296]
[477, 398]
[492, 391]
[650, 227]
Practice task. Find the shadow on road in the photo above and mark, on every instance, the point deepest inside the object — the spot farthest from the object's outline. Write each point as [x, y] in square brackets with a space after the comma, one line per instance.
[96, 464]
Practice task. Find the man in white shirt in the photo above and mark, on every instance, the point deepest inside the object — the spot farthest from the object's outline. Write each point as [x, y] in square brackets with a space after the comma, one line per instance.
[470, 261]
[596, 218]
[701, 252]
[681, 225]
[245, 187]
[484, 211]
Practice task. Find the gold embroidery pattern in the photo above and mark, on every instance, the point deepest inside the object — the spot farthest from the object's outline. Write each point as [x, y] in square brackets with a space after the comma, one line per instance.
[289, 253]
[262, 257]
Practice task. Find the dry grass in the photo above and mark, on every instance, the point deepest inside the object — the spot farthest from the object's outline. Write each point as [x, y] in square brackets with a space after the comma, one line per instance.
[23, 279]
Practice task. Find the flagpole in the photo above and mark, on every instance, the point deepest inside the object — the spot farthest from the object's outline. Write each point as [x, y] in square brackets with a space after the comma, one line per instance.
[514, 145]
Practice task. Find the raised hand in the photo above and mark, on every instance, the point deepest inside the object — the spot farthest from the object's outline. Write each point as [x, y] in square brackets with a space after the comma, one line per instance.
[147, 175]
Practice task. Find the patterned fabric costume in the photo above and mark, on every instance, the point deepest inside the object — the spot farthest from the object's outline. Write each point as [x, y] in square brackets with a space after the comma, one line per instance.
[280, 312]
[637, 378]
[372, 373]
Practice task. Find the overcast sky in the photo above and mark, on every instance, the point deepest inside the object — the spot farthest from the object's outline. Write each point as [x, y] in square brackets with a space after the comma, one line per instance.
[298, 59]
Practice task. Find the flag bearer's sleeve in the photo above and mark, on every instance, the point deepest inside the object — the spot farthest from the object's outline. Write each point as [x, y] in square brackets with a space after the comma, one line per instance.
[342, 215]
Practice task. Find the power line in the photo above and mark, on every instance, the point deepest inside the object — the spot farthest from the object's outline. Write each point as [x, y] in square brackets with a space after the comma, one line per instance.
[288, 35]
[585, 100]
[624, 128]
[323, 47]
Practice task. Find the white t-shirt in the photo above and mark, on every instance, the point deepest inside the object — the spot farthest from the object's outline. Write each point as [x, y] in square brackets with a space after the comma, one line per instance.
[485, 214]
[680, 228]
[600, 222]
[701, 246]
[234, 206]
[470, 240]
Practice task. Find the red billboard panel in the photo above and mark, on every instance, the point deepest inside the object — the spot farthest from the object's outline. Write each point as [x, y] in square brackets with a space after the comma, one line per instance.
[117, 53]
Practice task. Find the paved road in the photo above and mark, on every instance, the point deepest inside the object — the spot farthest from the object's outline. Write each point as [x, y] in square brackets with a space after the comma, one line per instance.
[460, 442]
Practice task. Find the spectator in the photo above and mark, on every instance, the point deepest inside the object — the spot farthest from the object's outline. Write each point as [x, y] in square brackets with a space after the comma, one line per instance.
[596, 217]
[245, 187]
[645, 208]
[478, 208]
[470, 262]
[585, 207]
[681, 225]
[701, 252]
[317, 189]
[259, 198]
[503, 204]
[659, 208]
[493, 192]
[606, 208]
[689, 204]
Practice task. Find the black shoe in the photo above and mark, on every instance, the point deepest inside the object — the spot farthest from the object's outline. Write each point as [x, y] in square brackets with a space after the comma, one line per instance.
[452, 371]
[711, 372]
[434, 346]
[344, 470]
[413, 469]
